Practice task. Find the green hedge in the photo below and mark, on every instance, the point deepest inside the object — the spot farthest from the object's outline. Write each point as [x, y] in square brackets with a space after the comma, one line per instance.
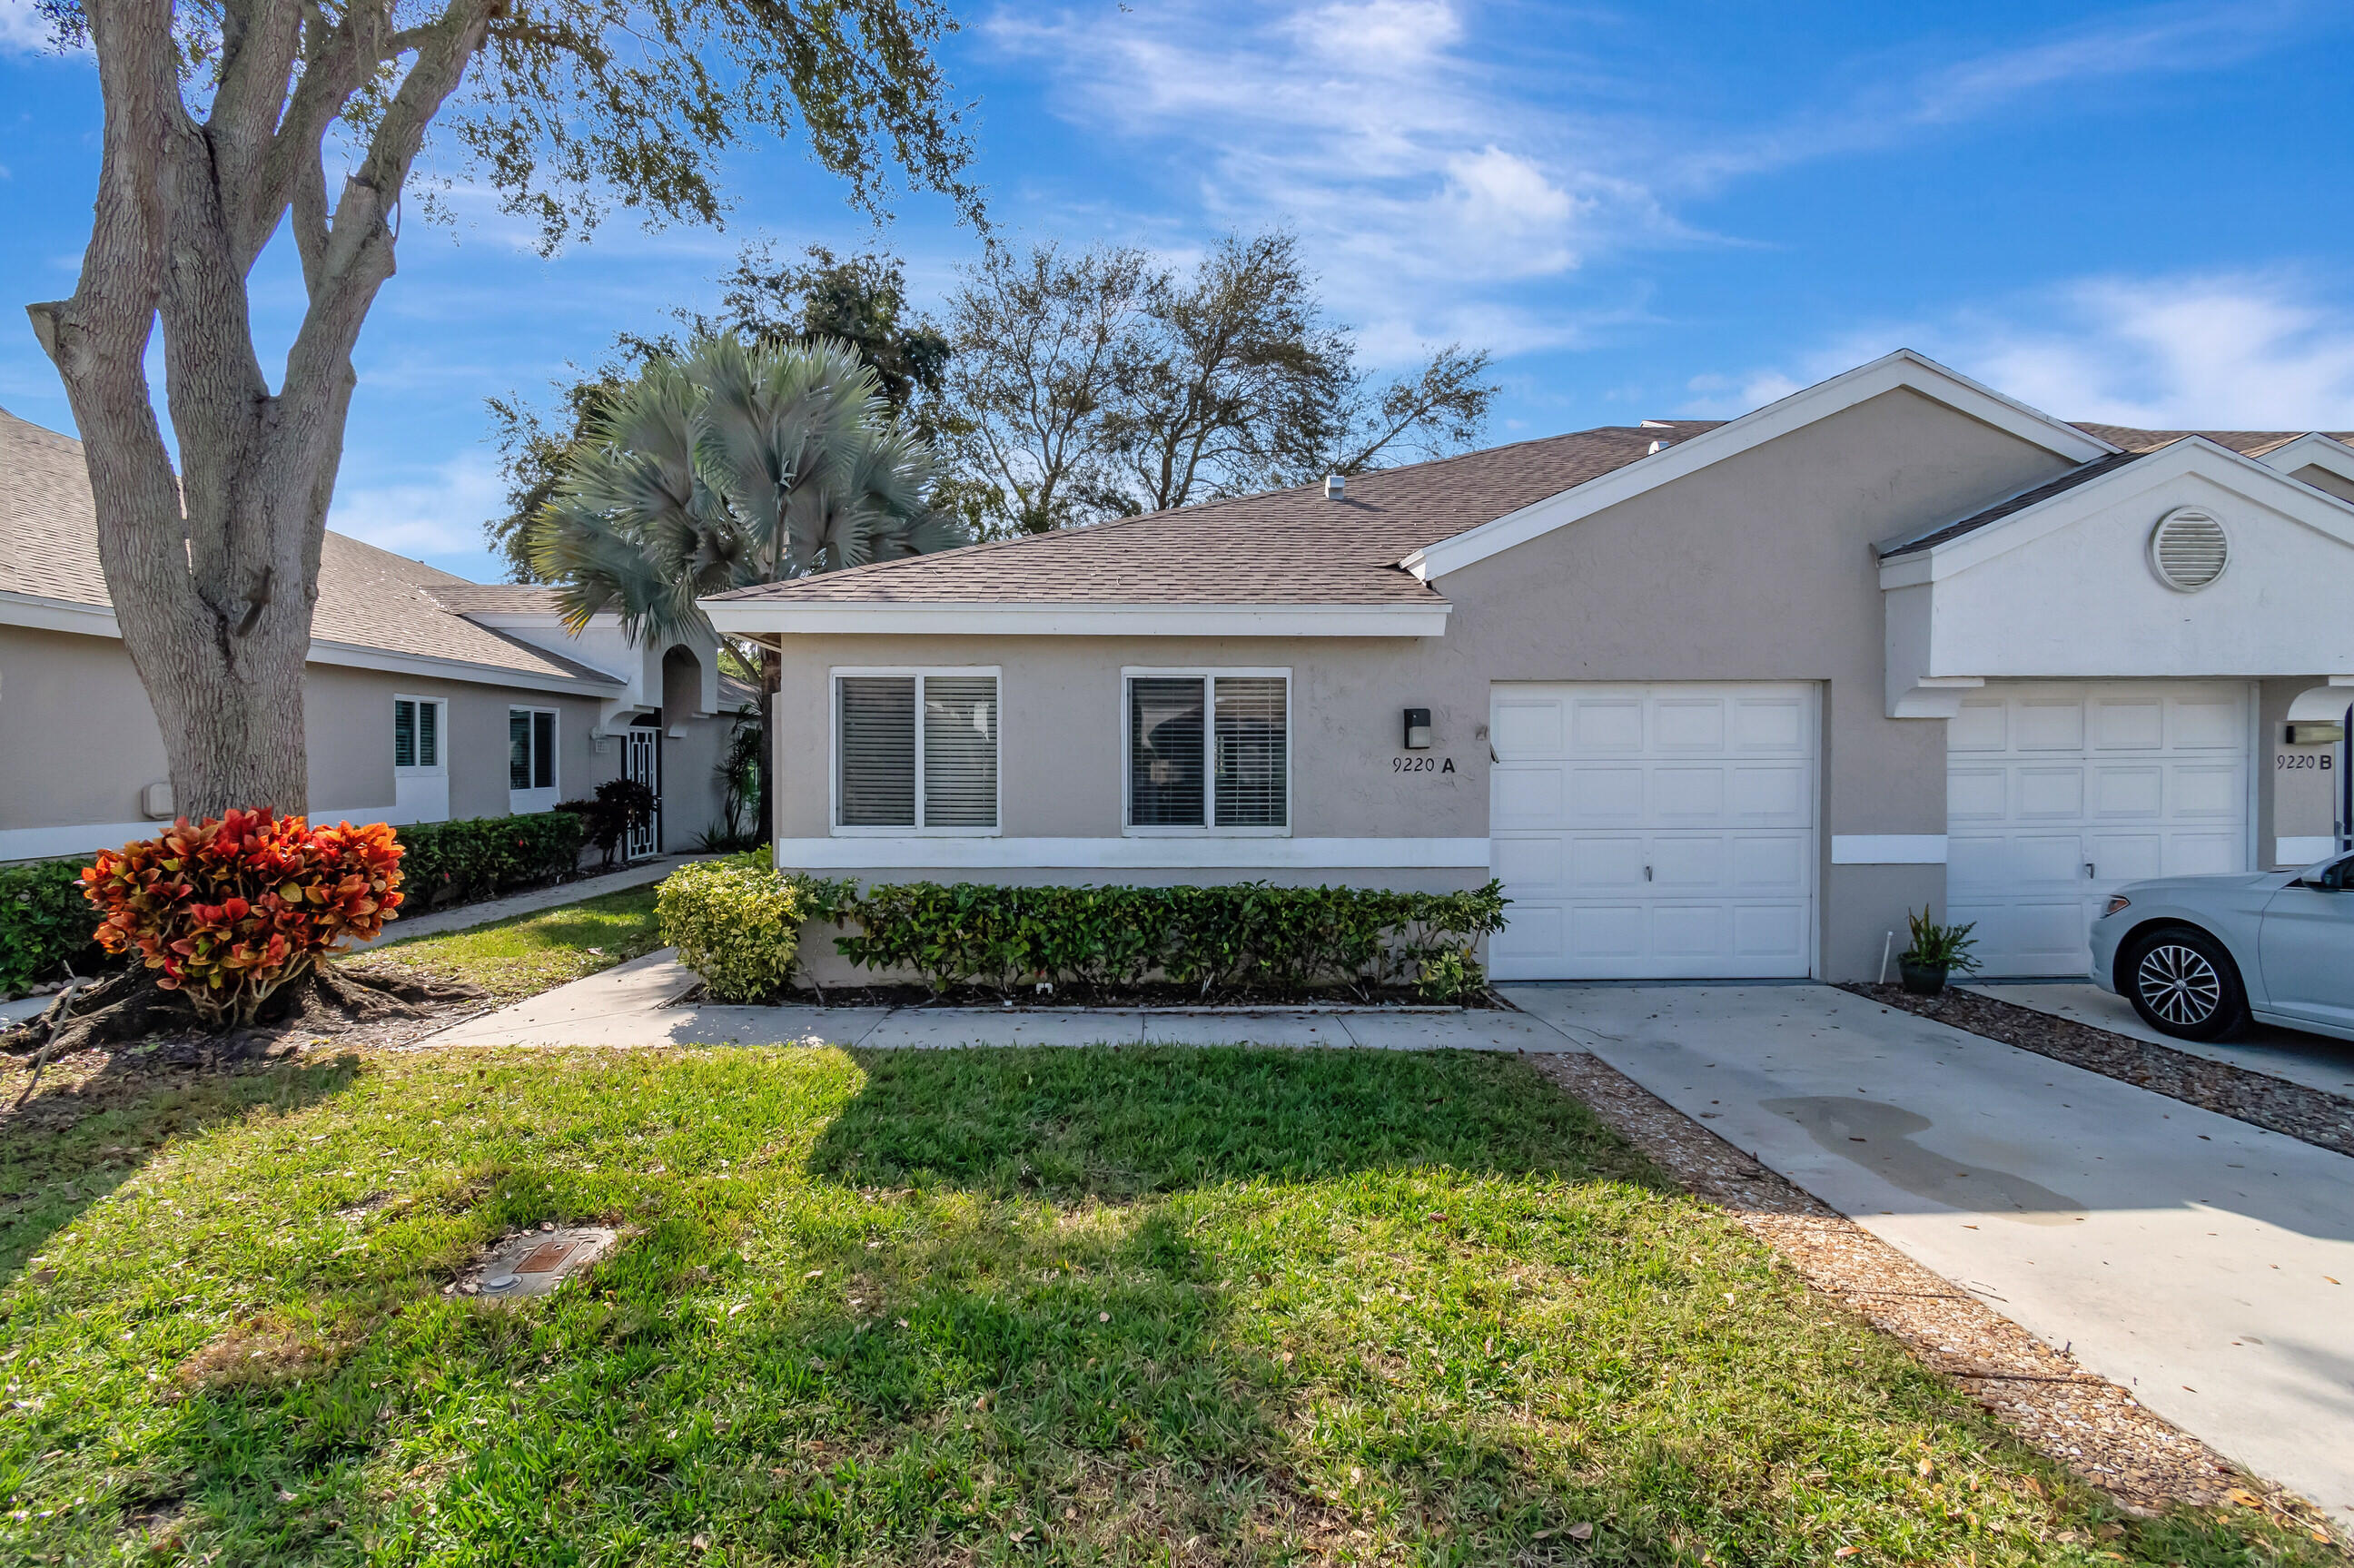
[1250, 935]
[481, 857]
[736, 922]
[45, 924]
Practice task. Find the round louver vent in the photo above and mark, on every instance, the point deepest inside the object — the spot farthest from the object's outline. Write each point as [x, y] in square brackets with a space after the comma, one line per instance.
[2187, 549]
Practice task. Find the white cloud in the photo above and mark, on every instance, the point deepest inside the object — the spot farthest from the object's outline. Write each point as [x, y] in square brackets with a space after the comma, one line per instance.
[439, 515]
[2217, 352]
[23, 29]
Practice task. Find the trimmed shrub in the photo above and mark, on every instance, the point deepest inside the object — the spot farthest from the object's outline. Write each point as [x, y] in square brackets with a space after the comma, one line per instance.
[620, 805]
[738, 922]
[1245, 936]
[45, 924]
[481, 857]
[229, 909]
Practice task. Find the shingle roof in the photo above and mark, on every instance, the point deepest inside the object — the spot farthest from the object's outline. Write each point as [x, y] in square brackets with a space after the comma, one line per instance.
[1281, 547]
[493, 598]
[2247, 443]
[368, 598]
[2020, 503]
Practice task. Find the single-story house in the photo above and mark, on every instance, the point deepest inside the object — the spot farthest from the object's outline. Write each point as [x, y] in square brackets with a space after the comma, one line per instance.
[1709, 699]
[428, 697]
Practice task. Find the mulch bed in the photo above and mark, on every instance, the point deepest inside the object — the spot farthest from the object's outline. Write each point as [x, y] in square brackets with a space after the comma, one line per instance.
[2078, 1419]
[2314, 1115]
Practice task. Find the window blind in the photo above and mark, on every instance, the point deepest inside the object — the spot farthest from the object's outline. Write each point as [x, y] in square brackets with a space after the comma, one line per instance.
[876, 751]
[959, 751]
[1253, 778]
[1164, 751]
[543, 751]
[518, 748]
[404, 734]
[429, 735]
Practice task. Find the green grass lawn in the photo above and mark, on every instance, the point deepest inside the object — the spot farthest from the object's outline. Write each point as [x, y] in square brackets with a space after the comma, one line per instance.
[529, 953]
[1074, 1306]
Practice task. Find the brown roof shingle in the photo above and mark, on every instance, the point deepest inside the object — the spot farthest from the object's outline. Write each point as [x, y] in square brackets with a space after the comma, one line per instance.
[2247, 443]
[368, 598]
[1281, 547]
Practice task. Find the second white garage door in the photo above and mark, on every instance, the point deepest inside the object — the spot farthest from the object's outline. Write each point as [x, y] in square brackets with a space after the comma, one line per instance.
[1654, 831]
[2057, 792]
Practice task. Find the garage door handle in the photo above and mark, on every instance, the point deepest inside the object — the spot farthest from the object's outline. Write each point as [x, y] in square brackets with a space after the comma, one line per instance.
[2091, 870]
[1647, 874]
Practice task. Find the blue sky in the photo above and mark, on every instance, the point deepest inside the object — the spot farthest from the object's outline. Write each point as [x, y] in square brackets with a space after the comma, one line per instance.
[2132, 213]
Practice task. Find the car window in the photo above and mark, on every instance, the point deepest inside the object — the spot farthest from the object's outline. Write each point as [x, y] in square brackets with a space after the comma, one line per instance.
[2340, 876]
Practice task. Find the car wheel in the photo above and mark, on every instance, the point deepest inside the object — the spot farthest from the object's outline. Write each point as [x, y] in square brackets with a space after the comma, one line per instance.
[2184, 983]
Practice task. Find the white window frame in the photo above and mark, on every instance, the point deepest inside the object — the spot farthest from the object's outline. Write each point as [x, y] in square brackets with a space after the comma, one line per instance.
[523, 802]
[833, 679]
[440, 768]
[1212, 673]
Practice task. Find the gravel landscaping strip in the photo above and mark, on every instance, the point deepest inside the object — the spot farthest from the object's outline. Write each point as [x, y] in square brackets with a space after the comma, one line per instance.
[2082, 1421]
[2314, 1115]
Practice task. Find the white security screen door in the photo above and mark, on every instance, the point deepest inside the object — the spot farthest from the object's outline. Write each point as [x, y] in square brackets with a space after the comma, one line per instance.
[2058, 791]
[643, 762]
[1654, 831]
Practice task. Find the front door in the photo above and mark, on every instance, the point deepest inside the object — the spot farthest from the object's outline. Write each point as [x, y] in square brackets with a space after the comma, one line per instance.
[643, 763]
[2307, 947]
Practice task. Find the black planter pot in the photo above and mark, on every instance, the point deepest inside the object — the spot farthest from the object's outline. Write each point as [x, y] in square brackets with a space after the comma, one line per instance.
[1920, 978]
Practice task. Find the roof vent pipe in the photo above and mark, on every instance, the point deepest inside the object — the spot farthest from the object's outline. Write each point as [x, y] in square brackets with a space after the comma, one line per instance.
[1333, 486]
[1656, 447]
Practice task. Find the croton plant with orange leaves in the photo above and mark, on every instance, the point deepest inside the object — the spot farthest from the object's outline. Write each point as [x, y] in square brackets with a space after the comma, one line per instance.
[231, 908]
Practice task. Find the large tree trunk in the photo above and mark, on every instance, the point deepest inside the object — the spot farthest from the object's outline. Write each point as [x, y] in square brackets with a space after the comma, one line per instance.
[214, 570]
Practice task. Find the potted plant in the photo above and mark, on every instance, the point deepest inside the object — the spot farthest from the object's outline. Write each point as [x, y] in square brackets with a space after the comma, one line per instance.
[1937, 951]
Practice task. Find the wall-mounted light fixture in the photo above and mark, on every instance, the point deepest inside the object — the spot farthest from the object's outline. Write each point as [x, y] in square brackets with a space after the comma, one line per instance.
[2315, 734]
[1417, 730]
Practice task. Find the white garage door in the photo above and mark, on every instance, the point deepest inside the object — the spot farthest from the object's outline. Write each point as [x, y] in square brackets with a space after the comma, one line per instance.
[2056, 793]
[1651, 833]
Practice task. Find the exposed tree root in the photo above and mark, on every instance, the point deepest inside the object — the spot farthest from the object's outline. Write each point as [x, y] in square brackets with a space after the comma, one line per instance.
[128, 1007]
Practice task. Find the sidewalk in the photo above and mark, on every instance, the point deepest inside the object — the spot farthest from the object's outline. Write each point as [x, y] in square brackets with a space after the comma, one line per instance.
[627, 1006]
[466, 916]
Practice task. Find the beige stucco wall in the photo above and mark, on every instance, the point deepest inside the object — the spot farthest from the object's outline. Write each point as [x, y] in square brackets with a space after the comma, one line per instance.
[78, 740]
[2321, 479]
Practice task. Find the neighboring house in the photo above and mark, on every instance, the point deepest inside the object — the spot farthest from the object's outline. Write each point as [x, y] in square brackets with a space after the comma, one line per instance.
[428, 697]
[1711, 700]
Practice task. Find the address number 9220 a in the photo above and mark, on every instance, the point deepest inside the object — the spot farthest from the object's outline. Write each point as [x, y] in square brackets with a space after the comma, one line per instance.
[1422, 765]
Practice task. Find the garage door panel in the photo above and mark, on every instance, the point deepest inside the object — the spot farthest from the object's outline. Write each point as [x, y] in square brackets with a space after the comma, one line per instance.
[1534, 863]
[1682, 833]
[1976, 794]
[1605, 864]
[2205, 790]
[1525, 727]
[2058, 793]
[1687, 795]
[2135, 791]
[1600, 725]
[2049, 792]
[1605, 797]
[1690, 723]
[1773, 724]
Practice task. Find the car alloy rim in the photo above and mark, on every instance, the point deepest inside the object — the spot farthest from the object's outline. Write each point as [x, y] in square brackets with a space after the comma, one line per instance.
[2180, 984]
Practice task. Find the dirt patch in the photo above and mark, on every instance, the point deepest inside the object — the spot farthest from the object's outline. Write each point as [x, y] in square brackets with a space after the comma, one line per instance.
[2082, 1422]
[2315, 1116]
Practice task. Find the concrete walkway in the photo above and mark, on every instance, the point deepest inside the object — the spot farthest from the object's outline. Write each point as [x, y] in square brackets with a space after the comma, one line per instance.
[2204, 1263]
[628, 1005]
[466, 916]
[2316, 1061]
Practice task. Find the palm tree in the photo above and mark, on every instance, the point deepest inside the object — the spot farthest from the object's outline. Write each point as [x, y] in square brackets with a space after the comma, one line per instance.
[738, 465]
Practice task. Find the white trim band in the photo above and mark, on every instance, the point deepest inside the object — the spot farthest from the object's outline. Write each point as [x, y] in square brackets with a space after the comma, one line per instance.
[1888, 849]
[1192, 853]
[87, 838]
[771, 617]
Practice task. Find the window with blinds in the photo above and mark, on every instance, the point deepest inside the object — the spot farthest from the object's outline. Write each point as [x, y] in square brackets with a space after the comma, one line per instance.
[1209, 751]
[916, 752]
[531, 749]
[416, 733]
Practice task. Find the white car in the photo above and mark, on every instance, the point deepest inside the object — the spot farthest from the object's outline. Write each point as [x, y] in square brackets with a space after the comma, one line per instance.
[2198, 956]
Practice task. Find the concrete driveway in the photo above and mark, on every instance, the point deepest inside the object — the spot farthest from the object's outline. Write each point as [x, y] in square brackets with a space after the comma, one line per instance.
[2204, 1263]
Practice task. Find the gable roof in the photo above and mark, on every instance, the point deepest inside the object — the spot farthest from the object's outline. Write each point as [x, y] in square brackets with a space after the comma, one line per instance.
[2247, 443]
[2020, 503]
[370, 600]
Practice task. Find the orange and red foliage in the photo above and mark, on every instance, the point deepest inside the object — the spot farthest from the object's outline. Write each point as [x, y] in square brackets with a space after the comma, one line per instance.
[229, 909]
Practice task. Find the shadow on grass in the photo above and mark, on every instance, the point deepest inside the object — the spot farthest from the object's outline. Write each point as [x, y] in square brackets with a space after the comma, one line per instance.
[81, 1135]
